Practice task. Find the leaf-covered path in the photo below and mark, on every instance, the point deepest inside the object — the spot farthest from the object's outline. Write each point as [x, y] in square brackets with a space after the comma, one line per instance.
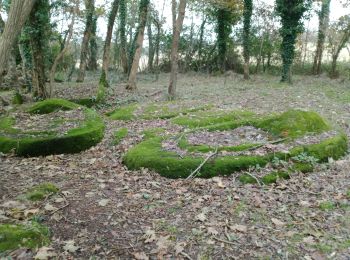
[106, 211]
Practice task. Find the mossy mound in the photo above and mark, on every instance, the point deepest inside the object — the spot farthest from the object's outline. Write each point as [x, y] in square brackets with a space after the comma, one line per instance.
[31, 235]
[40, 191]
[283, 129]
[120, 134]
[87, 133]
[161, 110]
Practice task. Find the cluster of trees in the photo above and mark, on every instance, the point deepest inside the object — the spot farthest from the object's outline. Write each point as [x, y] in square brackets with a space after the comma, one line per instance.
[231, 33]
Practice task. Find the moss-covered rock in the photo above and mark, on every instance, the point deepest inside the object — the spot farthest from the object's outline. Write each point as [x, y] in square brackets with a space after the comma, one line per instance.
[39, 192]
[31, 235]
[87, 134]
[287, 126]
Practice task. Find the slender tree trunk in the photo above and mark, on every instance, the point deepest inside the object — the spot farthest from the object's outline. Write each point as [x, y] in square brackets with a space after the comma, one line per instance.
[150, 46]
[247, 14]
[93, 46]
[18, 14]
[322, 32]
[200, 44]
[122, 30]
[139, 42]
[107, 46]
[90, 9]
[39, 18]
[174, 49]
[65, 47]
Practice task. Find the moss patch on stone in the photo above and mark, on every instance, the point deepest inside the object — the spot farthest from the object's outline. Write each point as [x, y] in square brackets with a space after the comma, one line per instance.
[88, 134]
[120, 134]
[31, 235]
[40, 191]
[151, 154]
[153, 132]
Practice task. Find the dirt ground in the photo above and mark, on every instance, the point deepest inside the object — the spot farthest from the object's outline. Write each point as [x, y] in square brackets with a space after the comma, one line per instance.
[105, 211]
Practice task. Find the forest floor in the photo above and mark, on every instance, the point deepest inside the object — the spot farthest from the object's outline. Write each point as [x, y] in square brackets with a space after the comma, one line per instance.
[105, 211]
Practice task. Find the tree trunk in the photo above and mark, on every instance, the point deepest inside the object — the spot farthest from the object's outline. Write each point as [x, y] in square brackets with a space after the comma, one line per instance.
[122, 30]
[200, 44]
[322, 32]
[107, 46]
[150, 46]
[18, 14]
[93, 46]
[65, 47]
[90, 9]
[39, 18]
[247, 14]
[174, 49]
[139, 42]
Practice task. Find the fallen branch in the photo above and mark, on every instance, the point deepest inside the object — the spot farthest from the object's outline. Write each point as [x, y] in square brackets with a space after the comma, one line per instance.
[185, 255]
[195, 172]
[224, 241]
[261, 145]
[59, 209]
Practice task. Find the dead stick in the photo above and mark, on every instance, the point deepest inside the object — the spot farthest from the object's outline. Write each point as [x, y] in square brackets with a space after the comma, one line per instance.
[224, 241]
[194, 173]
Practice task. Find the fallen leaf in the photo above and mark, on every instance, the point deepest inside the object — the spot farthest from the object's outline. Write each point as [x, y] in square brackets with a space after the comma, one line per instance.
[70, 247]
[149, 236]
[140, 256]
[240, 228]
[45, 253]
[201, 217]
[309, 240]
[277, 222]
[212, 231]
[103, 202]
[49, 207]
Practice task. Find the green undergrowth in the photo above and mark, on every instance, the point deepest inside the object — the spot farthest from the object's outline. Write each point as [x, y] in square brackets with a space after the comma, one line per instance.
[124, 113]
[87, 134]
[289, 125]
[343, 97]
[266, 179]
[152, 132]
[30, 235]
[17, 99]
[40, 191]
[120, 134]
[88, 102]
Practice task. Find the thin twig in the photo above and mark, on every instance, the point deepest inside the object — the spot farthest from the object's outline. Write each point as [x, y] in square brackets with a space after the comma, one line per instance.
[59, 209]
[255, 178]
[186, 255]
[261, 145]
[195, 172]
[224, 241]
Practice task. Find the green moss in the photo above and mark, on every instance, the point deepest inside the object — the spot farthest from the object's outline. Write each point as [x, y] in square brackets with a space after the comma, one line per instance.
[247, 179]
[327, 205]
[274, 176]
[294, 123]
[75, 140]
[88, 102]
[153, 132]
[40, 191]
[302, 167]
[120, 135]
[101, 90]
[348, 194]
[17, 99]
[31, 235]
[51, 105]
[207, 118]
[125, 113]
[149, 154]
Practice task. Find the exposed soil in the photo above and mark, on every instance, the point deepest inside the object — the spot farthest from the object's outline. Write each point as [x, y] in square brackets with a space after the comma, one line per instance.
[105, 211]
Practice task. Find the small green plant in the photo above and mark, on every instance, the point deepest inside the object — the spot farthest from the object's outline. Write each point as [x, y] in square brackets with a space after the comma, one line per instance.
[120, 135]
[30, 235]
[40, 191]
[327, 205]
[305, 158]
[277, 162]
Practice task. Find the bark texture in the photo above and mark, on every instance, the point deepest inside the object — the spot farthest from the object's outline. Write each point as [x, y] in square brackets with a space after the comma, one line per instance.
[174, 49]
[90, 9]
[139, 42]
[18, 14]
